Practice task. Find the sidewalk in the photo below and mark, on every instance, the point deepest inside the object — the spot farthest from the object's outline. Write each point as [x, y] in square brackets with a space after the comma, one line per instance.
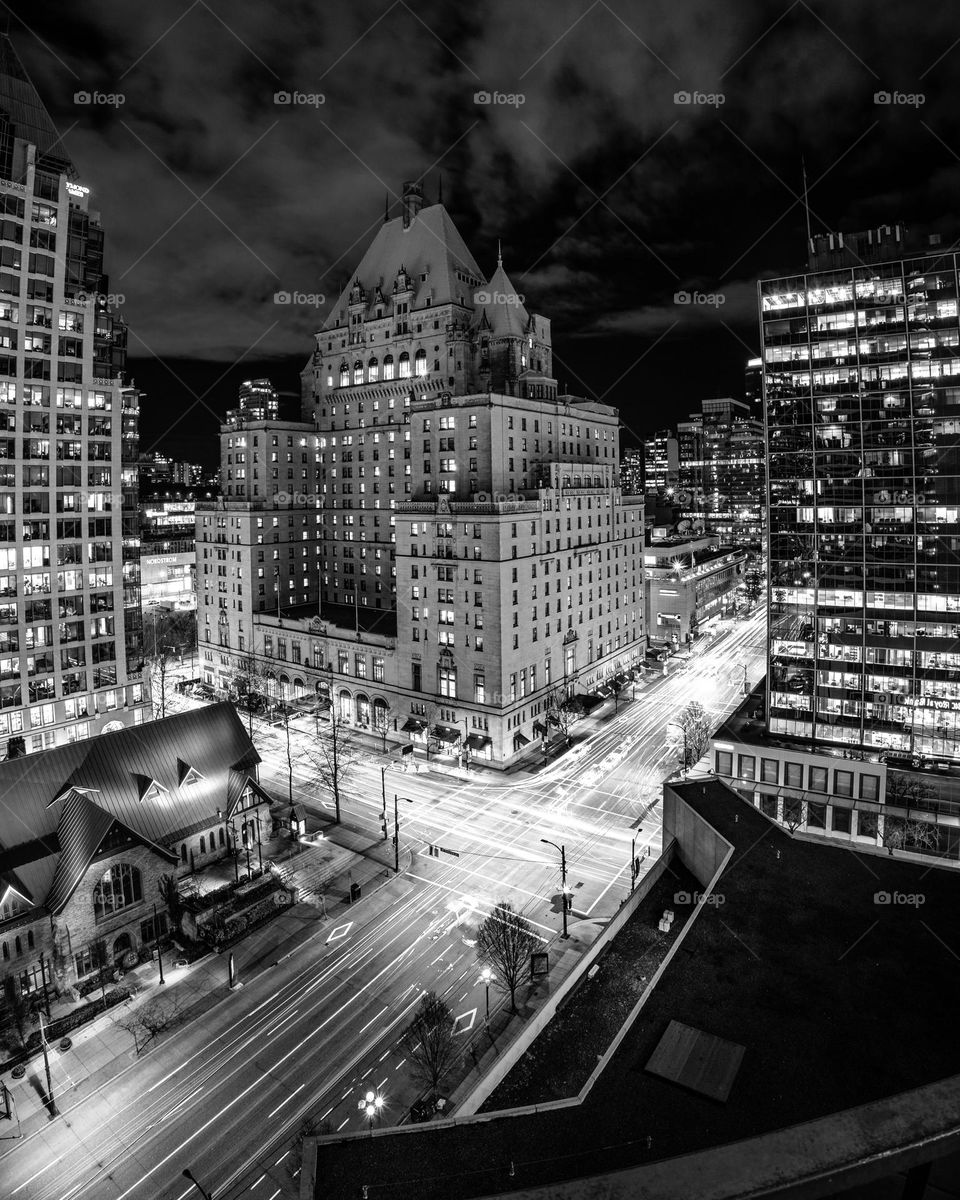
[102, 1048]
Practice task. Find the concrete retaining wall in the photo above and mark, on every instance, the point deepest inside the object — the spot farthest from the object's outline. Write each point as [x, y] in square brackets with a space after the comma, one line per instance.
[529, 1032]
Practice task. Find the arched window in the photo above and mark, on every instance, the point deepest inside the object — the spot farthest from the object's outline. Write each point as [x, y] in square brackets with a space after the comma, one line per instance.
[358, 371]
[373, 370]
[29, 939]
[213, 841]
[344, 374]
[183, 852]
[119, 887]
[6, 952]
[203, 844]
[221, 837]
[404, 366]
[345, 705]
[420, 363]
[388, 366]
[19, 945]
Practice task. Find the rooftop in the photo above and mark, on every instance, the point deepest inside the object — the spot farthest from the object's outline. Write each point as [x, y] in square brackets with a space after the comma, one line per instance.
[796, 961]
[343, 620]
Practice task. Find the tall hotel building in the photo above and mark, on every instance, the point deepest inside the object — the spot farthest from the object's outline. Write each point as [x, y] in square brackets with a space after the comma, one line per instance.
[863, 414]
[69, 563]
[475, 548]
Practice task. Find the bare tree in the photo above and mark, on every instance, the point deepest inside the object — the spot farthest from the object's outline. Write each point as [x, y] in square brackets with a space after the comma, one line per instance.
[428, 1041]
[381, 722]
[505, 941]
[695, 723]
[166, 637]
[901, 833]
[248, 682]
[167, 887]
[560, 711]
[332, 758]
[15, 1014]
[150, 1019]
[908, 791]
[753, 585]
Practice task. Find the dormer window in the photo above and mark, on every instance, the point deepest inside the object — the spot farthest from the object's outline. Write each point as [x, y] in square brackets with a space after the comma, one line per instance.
[153, 791]
[187, 776]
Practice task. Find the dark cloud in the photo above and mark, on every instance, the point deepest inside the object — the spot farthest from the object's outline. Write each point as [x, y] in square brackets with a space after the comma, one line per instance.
[608, 195]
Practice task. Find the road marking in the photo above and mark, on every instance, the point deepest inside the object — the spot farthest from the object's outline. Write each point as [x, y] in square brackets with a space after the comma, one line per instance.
[286, 1155]
[463, 997]
[285, 1101]
[259, 1181]
[275, 1194]
[382, 1082]
[399, 1064]
[339, 1127]
[372, 1019]
[341, 931]
[472, 1014]
[365, 1074]
[383, 1056]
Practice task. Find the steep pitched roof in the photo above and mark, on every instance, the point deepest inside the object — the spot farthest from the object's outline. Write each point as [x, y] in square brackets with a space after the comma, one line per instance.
[502, 308]
[430, 245]
[56, 805]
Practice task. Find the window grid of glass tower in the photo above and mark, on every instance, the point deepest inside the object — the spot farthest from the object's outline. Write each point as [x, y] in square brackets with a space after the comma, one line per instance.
[862, 407]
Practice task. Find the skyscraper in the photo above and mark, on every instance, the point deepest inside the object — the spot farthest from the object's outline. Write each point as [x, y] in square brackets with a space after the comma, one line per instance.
[720, 472]
[70, 656]
[863, 412]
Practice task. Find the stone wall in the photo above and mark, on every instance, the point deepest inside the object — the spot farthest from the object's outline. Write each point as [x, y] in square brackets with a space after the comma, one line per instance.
[77, 927]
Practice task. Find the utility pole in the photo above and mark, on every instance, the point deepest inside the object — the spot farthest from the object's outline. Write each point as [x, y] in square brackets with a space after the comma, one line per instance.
[43, 976]
[383, 794]
[46, 1067]
[563, 879]
[396, 835]
[156, 934]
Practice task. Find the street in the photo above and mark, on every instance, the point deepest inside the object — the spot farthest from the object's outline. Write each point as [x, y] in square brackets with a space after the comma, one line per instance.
[308, 1036]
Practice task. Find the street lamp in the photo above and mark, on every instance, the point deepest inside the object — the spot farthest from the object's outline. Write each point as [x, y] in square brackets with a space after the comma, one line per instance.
[396, 831]
[372, 1106]
[487, 977]
[563, 879]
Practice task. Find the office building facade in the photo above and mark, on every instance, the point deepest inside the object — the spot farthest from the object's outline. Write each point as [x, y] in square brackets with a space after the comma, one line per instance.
[721, 473]
[863, 412]
[70, 646]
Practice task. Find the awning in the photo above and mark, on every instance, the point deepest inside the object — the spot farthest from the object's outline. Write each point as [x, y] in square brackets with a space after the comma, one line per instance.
[603, 691]
[444, 734]
[621, 678]
[539, 728]
[477, 741]
[520, 740]
[413, 726]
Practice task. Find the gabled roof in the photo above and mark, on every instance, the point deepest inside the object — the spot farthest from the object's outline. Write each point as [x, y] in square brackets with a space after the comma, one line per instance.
[431, 246]
[502, 308]
[57, 806]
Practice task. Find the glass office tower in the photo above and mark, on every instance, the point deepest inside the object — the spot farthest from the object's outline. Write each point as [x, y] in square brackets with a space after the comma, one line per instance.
[862, 404]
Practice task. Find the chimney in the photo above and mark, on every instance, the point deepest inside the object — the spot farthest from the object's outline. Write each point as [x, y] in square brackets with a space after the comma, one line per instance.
[412, 201]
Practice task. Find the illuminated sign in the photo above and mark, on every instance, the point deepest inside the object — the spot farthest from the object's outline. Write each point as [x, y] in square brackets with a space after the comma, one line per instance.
[930, 702]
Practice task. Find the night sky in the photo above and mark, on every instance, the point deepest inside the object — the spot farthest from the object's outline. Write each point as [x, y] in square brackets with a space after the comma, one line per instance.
[608, 196]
